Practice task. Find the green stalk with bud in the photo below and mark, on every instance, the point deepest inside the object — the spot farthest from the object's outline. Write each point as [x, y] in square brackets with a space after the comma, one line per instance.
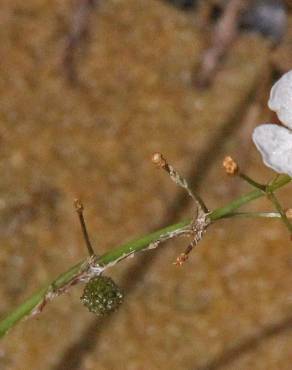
[101, 295]
[99, 289]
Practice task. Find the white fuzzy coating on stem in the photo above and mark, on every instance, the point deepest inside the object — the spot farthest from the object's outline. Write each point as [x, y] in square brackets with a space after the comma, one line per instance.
[91, 269]
[275, 145]
[280, 100]
[88, 270]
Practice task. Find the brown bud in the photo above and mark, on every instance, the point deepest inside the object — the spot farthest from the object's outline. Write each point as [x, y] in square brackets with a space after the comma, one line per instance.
[181, 259]
[158, 160]
[78, 205]
[230, 165]
[289, 213]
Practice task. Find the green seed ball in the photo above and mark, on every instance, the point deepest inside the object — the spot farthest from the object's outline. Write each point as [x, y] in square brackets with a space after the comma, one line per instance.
[101, 295]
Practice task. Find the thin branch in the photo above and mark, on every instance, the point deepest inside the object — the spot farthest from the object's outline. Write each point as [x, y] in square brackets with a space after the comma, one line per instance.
[253, 215]
[266, 189]
[86, 269]
[279, 208]
[232, 168]
[246, 198]
[224, 33]
[78, 30]
[161, 162]
[252, 182]
[94, 266]
[79, 209]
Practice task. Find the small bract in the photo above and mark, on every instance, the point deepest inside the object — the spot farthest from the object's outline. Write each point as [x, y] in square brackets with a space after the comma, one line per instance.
[274, 142]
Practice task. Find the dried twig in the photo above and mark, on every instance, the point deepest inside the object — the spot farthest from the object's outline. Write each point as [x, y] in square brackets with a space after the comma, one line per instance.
[79, 209]
[161, 162]
[224, 33]
[200, 221]
[77, 32]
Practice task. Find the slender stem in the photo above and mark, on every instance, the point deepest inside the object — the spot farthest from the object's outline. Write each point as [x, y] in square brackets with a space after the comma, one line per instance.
[135, 246]
[79, 209]
[279, 208]
[271, 196]
[253, 183]
[246, 198]
[253, 215]
[275, 179]
[159, 160]
[200, 202]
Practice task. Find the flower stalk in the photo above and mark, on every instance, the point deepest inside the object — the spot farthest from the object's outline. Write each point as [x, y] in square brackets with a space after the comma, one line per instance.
[95, 265]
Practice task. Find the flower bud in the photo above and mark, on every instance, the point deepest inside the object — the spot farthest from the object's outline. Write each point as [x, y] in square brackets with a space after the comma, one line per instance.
[230, 165]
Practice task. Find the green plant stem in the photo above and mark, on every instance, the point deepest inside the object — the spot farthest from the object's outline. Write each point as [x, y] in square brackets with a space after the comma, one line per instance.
[246, 198]
[279, 208]
[253, 183]
[271, 196]
[137, 245]
[254, 215]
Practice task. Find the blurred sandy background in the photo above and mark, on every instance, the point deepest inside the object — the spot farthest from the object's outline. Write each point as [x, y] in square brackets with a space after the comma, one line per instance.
[87, 127]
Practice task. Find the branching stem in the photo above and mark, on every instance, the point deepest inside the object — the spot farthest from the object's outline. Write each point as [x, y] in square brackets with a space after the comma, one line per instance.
[279, 208]
[269, 192]
[112, 257]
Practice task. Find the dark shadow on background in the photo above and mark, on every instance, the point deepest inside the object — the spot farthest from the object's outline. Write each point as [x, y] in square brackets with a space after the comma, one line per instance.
[246, 345]
[73, 357]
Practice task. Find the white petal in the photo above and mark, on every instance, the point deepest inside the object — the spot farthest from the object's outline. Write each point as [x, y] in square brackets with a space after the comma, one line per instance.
[275, 145]
[281, 99]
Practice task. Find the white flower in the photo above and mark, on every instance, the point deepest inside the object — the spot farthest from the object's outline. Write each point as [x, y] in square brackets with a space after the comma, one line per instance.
[275, 142]
[275, 145]
[281, 99]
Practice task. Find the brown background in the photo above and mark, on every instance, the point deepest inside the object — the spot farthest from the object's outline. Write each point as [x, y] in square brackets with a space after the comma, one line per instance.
[230, 306]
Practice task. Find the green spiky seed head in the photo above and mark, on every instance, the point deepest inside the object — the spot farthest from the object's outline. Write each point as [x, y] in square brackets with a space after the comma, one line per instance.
[101, 295]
